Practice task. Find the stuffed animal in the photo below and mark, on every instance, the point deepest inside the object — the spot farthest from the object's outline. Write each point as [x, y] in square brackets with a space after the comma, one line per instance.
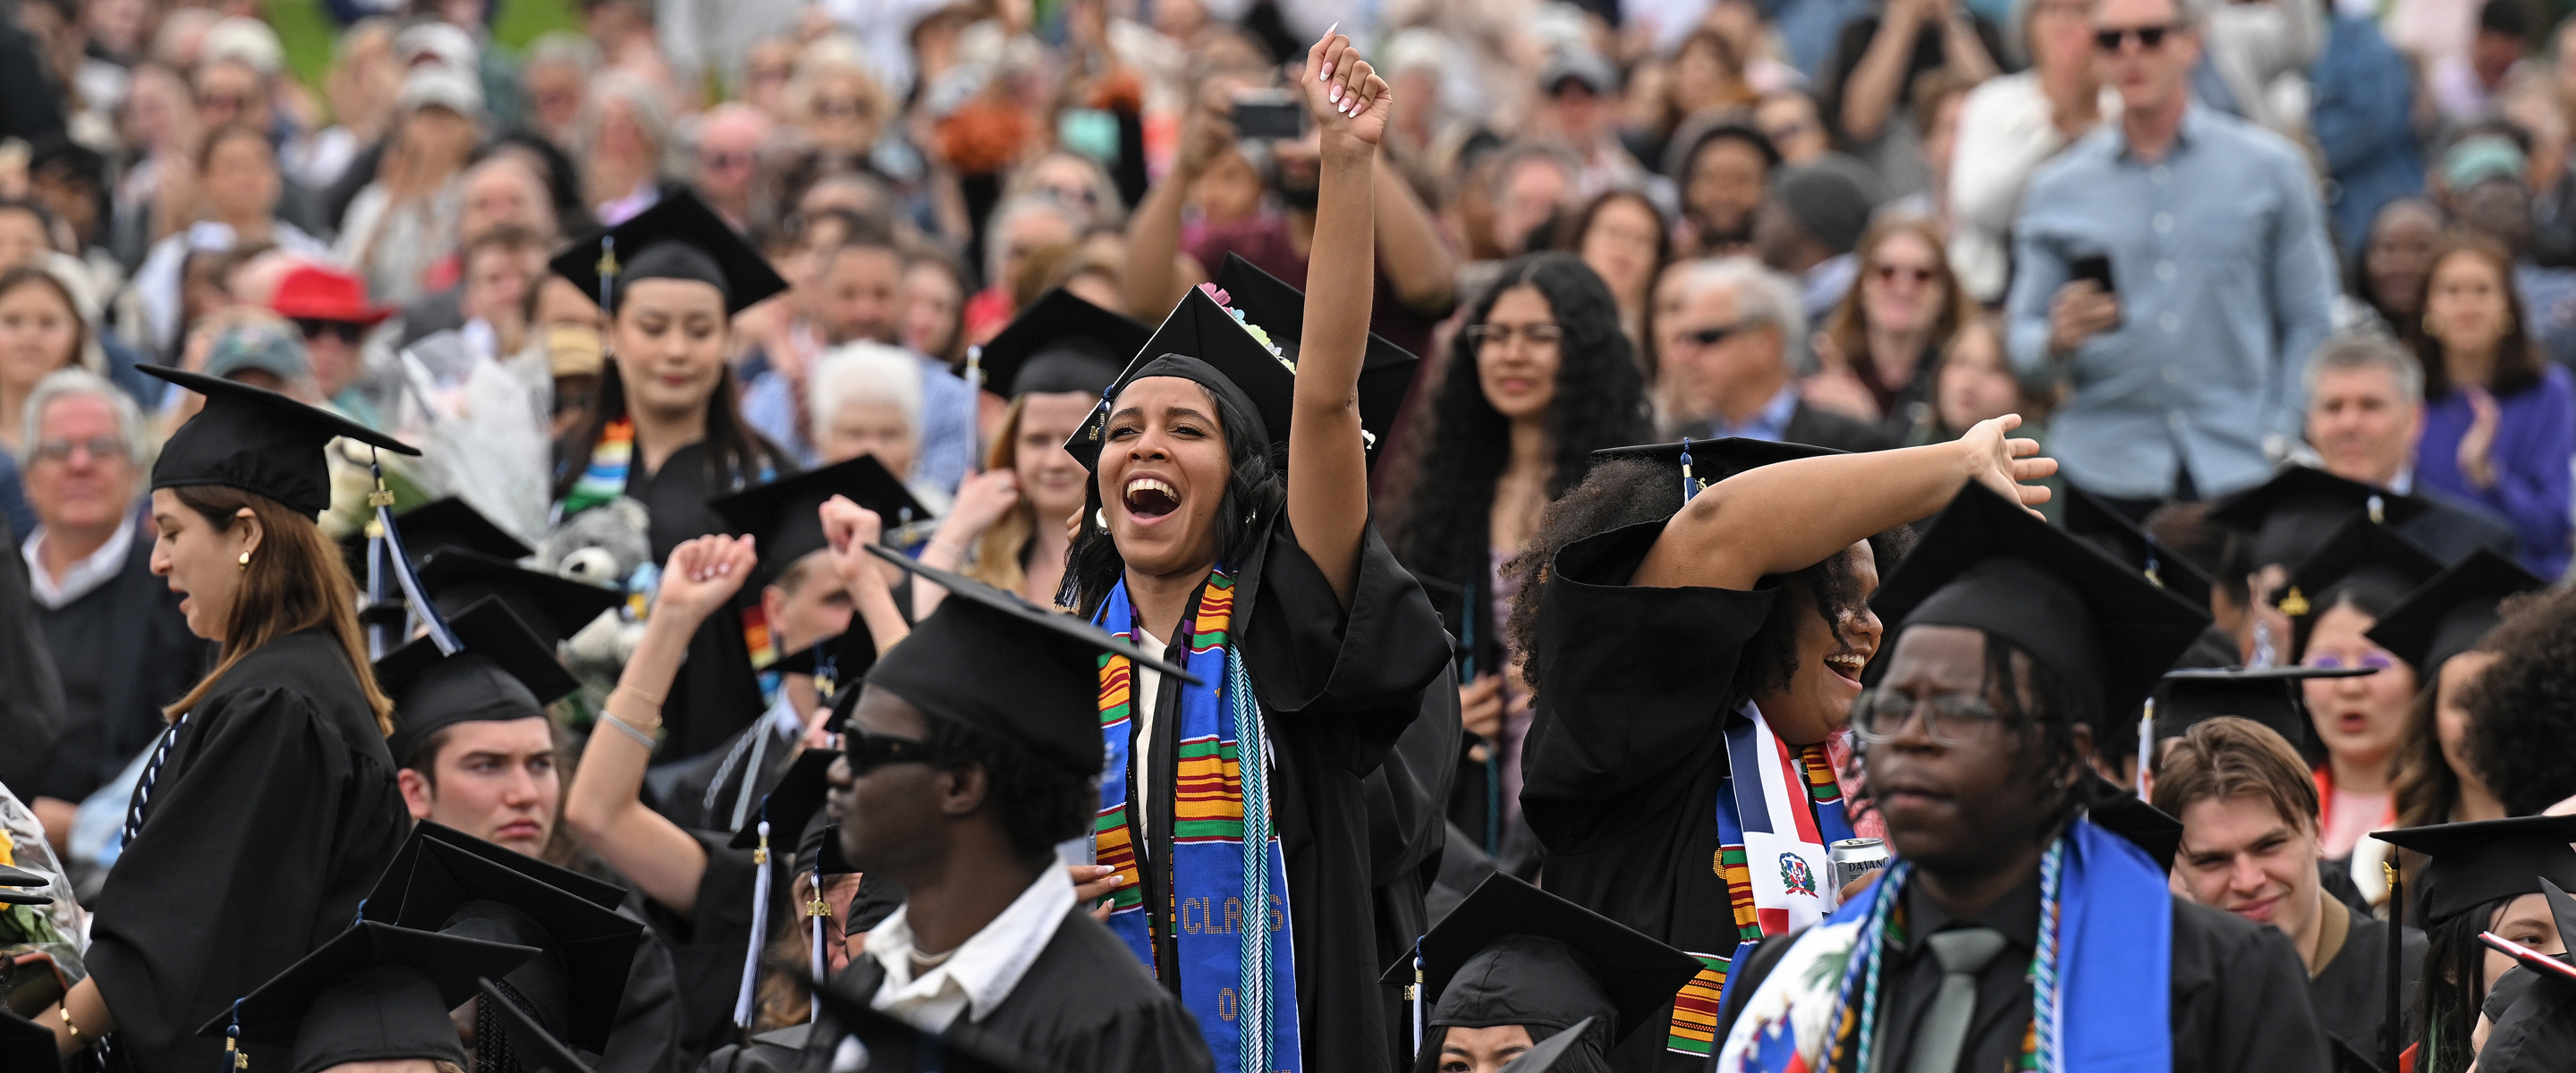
[607, 546]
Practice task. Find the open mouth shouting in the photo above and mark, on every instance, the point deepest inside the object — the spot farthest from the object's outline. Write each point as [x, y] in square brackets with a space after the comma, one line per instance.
[1847, 666]
[1150, 498]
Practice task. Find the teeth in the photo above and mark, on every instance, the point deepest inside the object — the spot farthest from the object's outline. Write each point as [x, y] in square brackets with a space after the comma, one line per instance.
[1149, 484]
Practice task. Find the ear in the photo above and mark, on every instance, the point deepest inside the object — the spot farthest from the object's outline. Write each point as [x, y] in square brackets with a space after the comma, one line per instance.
[773, 604]
[2083, 759]
[246, 530]
[417, 794]
[962, 790]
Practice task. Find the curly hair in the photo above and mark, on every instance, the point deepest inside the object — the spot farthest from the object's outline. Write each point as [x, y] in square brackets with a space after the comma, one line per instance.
[1256, 488]
[1625, 492]
[1600, 401]
[1038, 803]
[2036, 709]
[2519, 734]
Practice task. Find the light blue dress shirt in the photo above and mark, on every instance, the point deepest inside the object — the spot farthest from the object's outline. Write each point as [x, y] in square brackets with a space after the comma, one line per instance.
[2226, 287]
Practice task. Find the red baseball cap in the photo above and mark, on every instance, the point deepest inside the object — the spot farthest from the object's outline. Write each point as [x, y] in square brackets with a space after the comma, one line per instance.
[313, 292]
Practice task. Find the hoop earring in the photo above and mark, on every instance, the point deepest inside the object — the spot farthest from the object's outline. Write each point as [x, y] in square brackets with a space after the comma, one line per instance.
[243, 561]
[1100, 518]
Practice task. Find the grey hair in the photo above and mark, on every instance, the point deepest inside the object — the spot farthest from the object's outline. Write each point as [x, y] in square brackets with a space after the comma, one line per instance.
[563, 47]
[1762, 296]
[866, 372]
[641, 101]
[72, 380]
[2354, 351]
[1009, 212]
[1520, 153]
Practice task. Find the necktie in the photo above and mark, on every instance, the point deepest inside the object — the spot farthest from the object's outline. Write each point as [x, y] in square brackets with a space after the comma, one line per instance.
[1963, 953]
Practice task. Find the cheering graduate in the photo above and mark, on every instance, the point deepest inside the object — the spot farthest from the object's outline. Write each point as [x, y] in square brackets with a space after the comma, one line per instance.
[374, 998]
[269, 805]
[2249, 814]
[1691, 658]
[667, 432]
[2484, 876]
[957, 784]
[2441, 630]
[2269, 696]
[477, 758]
[1514, 966]
[2011, 932]
[1311, 646]
[2335, 596]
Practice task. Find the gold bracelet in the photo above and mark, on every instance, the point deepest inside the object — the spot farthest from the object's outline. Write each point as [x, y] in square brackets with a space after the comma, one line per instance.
[64, 1011]
[648, 698]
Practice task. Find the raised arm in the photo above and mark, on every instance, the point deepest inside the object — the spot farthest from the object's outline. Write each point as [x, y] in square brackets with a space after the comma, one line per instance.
[1327, 464]
[849, 528]
[1731, 534]
[603, 805]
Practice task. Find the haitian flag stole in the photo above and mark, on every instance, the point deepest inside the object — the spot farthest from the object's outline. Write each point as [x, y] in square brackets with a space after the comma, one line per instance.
[1238, 967]
[1776, 813]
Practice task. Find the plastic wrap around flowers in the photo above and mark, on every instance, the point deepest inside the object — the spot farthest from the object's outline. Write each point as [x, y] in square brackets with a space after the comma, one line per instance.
[1258, 335]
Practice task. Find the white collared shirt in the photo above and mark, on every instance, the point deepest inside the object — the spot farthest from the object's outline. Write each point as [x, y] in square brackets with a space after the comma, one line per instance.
[85, 574]
[983, 971]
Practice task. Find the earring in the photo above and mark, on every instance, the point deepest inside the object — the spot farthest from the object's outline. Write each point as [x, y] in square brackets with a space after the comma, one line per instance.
[1099, 518]
[244, 561]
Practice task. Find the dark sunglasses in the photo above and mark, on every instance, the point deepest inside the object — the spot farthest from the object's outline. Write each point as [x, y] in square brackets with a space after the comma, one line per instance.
[867, 752]
[348, 331]
[2150, 38]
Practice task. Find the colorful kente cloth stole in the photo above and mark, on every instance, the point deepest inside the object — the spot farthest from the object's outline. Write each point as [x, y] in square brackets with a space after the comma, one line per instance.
[2100, 980]
[1238, 967]
[604, 478]
[1776, 814]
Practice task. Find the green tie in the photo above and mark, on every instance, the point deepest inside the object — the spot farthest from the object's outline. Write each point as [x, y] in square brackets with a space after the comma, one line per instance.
[1963, 953]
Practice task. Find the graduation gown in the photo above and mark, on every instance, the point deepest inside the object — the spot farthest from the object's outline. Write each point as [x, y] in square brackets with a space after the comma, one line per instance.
[1084, 1004]
[1337, 689]
[779, 1050]
[645, 1037]
[271, 818]
[122, 650]
[706, 946]
[1627, 752]
[2350, 991]
[1409, 834]
[31, 707]
[705, 795]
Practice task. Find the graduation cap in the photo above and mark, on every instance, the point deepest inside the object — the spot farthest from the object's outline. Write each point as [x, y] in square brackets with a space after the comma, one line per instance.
[503, 672]
[1061, 343]
[678, 238]
[893, 1045]
[1049, 702]
[447, 523]
[24, 1044]
[385, 902]
[258, 441]
[1386, 370]
[1701, 463]
[1512, 954]
[2269, 695]
[2088, 517]
[790, 803]
[589, 949]
[13, 882]
[2149, 827]
[2102, 628]
[877, 899]
[2535, 1023]
[373, 993]
[2296, 511]
[1543, 1057]
[784, 513]
[534, 1049]
[2361, 554]
[2453, 612]
[2481, 861]
[552, 607]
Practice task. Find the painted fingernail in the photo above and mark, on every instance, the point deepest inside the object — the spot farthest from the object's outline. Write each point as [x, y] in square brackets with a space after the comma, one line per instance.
[1328, 73]
[1328, 31]
[1336, 95]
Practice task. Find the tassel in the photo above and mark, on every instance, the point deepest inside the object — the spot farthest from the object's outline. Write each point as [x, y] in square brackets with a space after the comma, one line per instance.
[236, 1058]
[2146, 743]
[759, 925]
[375, 584]
[974, 402]
[1690, 487]
[2391, 1036]
[816, 912]
[607, 270]
[1414, 996]
[421, 606]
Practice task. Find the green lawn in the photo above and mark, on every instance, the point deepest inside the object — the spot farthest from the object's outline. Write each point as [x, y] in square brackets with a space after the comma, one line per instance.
[307, 30]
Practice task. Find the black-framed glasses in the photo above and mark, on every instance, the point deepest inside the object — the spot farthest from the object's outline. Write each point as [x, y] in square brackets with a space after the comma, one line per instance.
[2150, 38]
[99, 447]
[1950, 719]
[867, 752]
[1481, 336]
[347, 331]
[1711, 336]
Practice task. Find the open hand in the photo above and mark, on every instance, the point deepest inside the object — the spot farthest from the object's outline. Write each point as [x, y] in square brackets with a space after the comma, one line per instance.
[2477, 445]
[1349, 101]
[982, 499]
[2008, 465]
[1094, 881]
[702, 574]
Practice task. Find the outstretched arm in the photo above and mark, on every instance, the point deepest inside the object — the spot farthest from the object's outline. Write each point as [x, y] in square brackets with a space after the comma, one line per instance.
[1327, 464]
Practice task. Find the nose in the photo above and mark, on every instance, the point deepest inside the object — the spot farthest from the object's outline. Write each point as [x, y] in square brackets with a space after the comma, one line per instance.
[1865, 630]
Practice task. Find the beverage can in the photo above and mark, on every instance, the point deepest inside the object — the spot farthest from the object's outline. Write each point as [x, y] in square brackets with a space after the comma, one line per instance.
[1853, 858]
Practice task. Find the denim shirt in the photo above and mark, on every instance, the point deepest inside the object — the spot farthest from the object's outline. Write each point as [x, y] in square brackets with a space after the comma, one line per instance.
[2226, 285]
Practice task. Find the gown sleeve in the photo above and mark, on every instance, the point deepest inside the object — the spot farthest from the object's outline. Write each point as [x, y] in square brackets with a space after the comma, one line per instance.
[1364, 668]
[1162, 1036]
[227, 883]
[2240, 998]
[1632, 682]
[645, 1038]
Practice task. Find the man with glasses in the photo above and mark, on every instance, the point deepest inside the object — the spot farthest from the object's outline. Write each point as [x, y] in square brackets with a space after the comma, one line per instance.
[729, 137]
[115, 632]
[2171, 272]
[330, 310]
[1724, 356]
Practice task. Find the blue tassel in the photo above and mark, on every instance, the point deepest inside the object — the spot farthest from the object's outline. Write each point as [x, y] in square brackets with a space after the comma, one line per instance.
[1690, 487]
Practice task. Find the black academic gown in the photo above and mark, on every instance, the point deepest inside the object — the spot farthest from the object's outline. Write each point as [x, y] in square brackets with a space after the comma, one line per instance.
[706, 793]
[1337, 689]
[1409, 834]
[716, 691]
[123, 650]
[2350, 994]
[706, 946]
[1085, 1004]
[645, 1037]
[31, 704]
[779, 1050]
[273, 815]
[1627, 752]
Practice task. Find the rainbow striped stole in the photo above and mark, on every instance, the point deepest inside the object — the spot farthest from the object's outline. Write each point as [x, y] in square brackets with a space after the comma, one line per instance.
[604, 478]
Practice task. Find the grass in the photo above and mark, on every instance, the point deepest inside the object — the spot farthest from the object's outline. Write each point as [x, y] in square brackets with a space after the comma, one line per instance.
[307, 31]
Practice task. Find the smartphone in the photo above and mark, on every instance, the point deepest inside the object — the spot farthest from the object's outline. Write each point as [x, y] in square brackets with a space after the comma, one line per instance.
[1269, 114]
[2095, 267]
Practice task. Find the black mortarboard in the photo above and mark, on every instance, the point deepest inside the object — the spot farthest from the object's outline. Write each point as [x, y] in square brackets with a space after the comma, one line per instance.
[1711, 461]
[2346, 1059]
[2269, 695]
[503, 672]
[12, 882]
[2096, 523]
[258, 441]
[446, 523]
[534, 1049]
[1542, 1056]
[589, 949]
[24, 1044]
[1989, 564]
[551, 606]
[1512, 954]
[790, 803]
[877, 899]
[2480, 861]
[1050, 700]
[894, 1045]
[1061, 343]
[678, 238]
[2144, 825]
[375, 992]
[2534, 1026]
[2361, 555]
[2289, 516]
[1386, 370]
[386, 901]
[2451, 613]
[785, 513]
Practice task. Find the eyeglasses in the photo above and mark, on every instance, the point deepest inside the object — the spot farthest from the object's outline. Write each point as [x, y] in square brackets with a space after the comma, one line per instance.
[1953, 720]
[1914, 274]
[346, 331]
[223, 102]
[1481, 336]
[840, 108]
[2150, 38]
[867, 752]
[1785, 131]
[99, 448]
[2373, 659]
[722, 161]
[1712, 336]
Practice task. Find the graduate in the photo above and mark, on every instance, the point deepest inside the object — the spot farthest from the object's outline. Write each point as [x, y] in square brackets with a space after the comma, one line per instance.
[2249, 813]
[2010, 639]
[2484, 876]
[2335, 596]
[477, 758]
[2535, 1030]
[550, 605]
[957, 784]
[376, 997]
[1691, 658]
[2115, 748]
[2441, 629]
[269, 804]
[1514, 966]
[1311, 646]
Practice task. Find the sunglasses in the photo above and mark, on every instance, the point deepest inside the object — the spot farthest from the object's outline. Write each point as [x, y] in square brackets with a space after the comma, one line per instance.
[867, 752]
[347, 331]
[99, 447]
[2150, 38]
[1910, 273]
